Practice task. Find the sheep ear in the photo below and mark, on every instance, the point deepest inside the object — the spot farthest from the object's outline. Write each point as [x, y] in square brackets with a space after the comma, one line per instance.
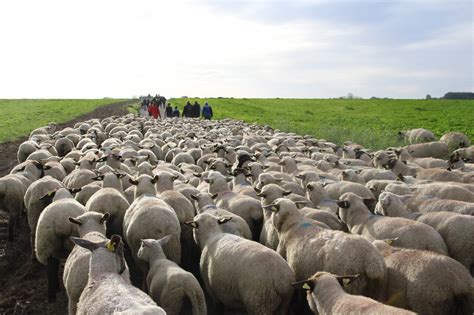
[223, 220]
[342, 204]
[105, 217]
[369, 202]
[286, 192]
[300, 204]
[49, 195]
[389, 241]
[133, 181]
[346, 280]
[195, 197]
[102, 159]
[98, 177]
[74, 190]
[192, 224]
[310, 187]
[197, 174]
[74, 221]
[155, 179]
[300, 176]
[47, 167]
[175, 177]
[258, 190]
[165, 239]
[303, 285]
[214, 196]
[85, 243]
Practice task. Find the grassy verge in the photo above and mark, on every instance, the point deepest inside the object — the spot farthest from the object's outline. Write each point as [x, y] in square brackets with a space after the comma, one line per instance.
[19, 117]
[372, 123]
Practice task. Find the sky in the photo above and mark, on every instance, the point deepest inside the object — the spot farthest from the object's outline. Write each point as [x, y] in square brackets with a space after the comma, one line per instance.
[206, 48]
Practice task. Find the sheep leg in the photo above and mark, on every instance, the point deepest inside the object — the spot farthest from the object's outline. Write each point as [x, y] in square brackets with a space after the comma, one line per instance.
[52, 268]
[32, 243]
[11, 220]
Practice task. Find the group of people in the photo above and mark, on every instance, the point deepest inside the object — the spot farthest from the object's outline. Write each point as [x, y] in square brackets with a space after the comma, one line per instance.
[155, 107]
[194, 111]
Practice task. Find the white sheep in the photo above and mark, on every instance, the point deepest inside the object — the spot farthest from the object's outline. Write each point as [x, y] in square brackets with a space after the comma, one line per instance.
[426, 282]
[309, 248]
[107, 292]
[12, 191]
[168, 284]
[418, 135]
[91, 226]
[110, 199]
[52, 236]
[434, 149]
[151, 217]
[248, 208]
[457, 230]
[326, 296]
[39, 195]
[238, 226]
[240, 273]
[455, 140]
[410, 234]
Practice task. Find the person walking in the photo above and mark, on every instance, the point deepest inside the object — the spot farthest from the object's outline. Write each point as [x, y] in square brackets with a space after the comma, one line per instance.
[196, 110]
[207, 111]
[154, 110]
[187, 110]
[175, 112]
[169, 111]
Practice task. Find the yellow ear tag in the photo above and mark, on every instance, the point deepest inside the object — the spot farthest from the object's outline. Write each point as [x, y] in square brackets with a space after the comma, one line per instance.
[306, 286]
[346, 281]
[274, 209]
[50, 193]
[110, 246]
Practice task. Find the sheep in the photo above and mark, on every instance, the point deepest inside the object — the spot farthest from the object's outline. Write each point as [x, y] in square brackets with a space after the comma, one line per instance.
[36, 199]
[354, 213]
[12, 191]
[25, 149]
[426, 282]
[457, 230]
[309, 249]
[467, 154]
[237, 226]
[107, 292]
[91, 226]
[325, 217]
[45, 130]
[169, 285]
[85, 193]
[245, 283]
[79, 178]
[151, 217]
[336, 190]
[369, 174]
[52, 236]
[248, 208]
[418, 135]
[63, 146]
[111, 200]
[455, 140]
[434, 149]
[326, 295]
[319, 197]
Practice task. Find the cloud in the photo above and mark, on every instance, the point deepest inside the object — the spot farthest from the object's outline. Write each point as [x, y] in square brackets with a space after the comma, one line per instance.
[234, 48]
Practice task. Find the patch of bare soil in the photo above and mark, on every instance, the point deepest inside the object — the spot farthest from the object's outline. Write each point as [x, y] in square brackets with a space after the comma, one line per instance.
[23, 286]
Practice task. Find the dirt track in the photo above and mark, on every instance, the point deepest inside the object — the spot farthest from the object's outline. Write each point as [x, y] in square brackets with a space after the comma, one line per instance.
[23, 283]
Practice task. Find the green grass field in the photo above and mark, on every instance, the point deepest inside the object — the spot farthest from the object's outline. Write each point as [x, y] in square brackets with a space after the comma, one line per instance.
[372, 123]
[19, 117]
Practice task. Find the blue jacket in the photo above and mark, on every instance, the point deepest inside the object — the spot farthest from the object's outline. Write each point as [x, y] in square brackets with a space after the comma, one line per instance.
[207, 112]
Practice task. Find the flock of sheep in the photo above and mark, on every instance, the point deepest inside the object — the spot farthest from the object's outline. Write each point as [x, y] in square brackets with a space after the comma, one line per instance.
[169, 215]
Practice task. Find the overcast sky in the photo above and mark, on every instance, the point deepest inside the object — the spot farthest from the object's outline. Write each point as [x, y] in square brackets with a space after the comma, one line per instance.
[299, 48]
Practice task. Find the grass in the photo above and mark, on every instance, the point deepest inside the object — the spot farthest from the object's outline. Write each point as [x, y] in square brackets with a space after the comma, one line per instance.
[18, 117]
[372, 123]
